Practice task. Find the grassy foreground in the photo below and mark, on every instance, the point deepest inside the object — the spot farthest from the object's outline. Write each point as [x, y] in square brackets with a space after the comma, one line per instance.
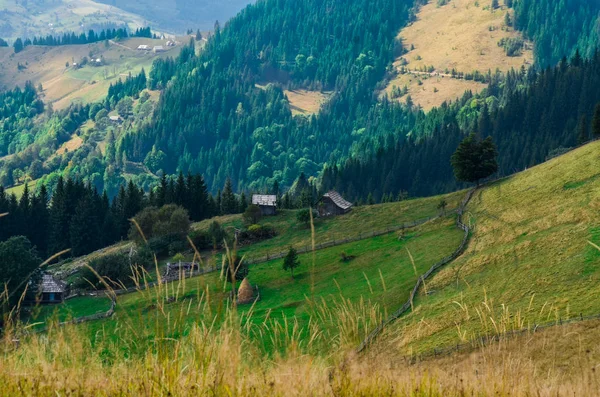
[529, 260]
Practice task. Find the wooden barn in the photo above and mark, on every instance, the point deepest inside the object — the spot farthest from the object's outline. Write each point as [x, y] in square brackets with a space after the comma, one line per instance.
[52, 290]
[332, 203]
[266, 202]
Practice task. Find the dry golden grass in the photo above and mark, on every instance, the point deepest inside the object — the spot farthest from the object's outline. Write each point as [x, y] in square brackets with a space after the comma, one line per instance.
[306, 103]
[72, 144]
[455, 36]
[529, 261]
[425, 94]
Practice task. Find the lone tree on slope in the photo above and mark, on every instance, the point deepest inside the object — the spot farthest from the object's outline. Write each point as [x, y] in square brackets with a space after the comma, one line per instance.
[475, 159]
[290, 262]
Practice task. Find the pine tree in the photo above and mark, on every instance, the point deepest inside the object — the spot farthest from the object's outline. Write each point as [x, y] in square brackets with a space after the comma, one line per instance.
[475, 160]
[596, 122]
[583, 128]
[291, 261]
[229, 203]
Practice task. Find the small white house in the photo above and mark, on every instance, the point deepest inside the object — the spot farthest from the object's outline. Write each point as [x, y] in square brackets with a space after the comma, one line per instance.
[143, 47]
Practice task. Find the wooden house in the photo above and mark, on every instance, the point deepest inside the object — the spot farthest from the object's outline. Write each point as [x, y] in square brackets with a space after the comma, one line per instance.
[266, 202]
[52, 290]
[332, 203]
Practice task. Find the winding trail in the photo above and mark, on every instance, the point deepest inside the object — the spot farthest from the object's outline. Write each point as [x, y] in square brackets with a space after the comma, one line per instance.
[409, 304]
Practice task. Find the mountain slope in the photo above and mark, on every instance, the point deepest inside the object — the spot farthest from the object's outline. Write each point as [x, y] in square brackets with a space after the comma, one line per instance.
[529, 261]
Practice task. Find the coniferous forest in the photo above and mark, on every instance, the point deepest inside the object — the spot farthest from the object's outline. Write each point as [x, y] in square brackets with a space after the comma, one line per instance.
[223, 113]
[529, 125]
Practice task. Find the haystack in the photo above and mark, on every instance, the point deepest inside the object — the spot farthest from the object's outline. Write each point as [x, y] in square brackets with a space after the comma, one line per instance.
[245, 293]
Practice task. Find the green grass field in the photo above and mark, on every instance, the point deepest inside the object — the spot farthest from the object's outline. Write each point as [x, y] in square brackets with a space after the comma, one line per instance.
[361, 221]
[381, 273]
[529, 261]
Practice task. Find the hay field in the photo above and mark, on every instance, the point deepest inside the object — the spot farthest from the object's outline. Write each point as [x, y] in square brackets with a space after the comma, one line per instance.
[460, 35]
[529, 260]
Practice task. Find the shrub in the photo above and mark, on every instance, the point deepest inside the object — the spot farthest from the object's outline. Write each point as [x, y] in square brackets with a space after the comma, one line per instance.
[216, 233]
[303, 216]
[252, 215]
[201, 239]
[346, 257]
[157, 222]
[115, 269]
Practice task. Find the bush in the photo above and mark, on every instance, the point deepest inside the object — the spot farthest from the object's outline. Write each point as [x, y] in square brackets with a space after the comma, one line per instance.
[217, 234]
[303, 216]
[115, 269]
[242, 270]
[252, 215]
[162, 245]
[201, 239]
[157, 222]
[257, 233]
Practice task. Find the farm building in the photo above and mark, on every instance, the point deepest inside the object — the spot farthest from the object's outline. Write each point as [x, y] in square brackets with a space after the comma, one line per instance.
[144, 47]
[332, 203]
[52, 290]
[158, 48]
[115, 119]
[266, 202]
[177, 267]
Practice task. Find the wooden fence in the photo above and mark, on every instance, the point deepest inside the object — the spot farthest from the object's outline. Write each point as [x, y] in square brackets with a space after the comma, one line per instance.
[173, 276]
[409, 303]
[486, 339]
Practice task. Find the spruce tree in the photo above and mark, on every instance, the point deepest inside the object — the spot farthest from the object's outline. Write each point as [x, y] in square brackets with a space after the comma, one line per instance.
[290, 262]
[229, 203]
[596, 122]
[474, 159]
[583, 135]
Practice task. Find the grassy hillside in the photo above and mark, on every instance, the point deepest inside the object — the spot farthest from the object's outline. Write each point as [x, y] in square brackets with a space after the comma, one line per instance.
[462, 35]
[64, 85]
[381, 272]
[41, 18]
[529, 261]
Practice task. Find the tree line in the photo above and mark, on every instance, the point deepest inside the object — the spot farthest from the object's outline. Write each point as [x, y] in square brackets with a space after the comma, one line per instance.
[78, 217]
[73, 38]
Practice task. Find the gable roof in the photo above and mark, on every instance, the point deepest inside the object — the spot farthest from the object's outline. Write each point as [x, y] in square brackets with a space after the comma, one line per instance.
[268, 200]
[338, 200]
[51, 285]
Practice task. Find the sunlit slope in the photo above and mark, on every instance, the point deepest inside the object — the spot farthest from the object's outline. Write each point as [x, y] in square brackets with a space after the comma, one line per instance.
[529, 260]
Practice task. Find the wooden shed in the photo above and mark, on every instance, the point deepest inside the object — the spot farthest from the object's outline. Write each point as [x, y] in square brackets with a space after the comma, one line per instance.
[332, 203]
[266, 202]
[52, 290]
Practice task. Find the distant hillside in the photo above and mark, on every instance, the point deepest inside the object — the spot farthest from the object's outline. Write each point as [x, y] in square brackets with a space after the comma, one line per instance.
[63, 82]
[41, 17]
[448, 44]
[530, 115]
[177, 16]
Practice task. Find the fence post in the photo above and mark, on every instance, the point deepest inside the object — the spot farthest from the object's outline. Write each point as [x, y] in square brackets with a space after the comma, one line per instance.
[581, 316]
